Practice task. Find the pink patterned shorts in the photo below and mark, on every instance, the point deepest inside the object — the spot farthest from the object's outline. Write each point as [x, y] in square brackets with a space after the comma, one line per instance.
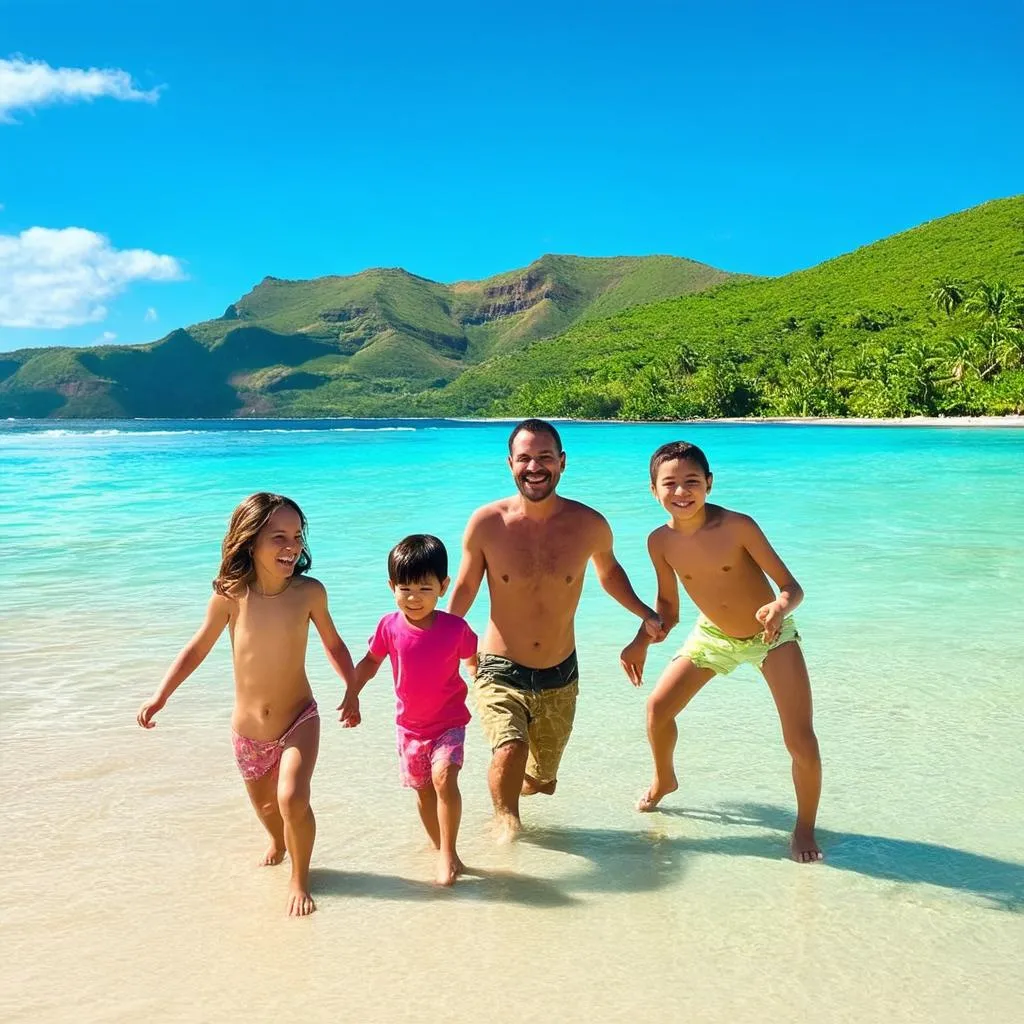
[257, 758]
[417, 755]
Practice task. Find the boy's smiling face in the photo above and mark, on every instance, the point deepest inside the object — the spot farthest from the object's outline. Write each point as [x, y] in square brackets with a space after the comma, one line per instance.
[417, 601]
[682, 488]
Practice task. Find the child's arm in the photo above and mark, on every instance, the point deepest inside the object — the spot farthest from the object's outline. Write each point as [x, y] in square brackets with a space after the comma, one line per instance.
[218, 614]
[337, 652]
[790, 592]
[350, 716]
[634, 654]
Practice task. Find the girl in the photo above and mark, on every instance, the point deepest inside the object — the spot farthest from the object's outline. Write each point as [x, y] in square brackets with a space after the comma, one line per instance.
[266, 601]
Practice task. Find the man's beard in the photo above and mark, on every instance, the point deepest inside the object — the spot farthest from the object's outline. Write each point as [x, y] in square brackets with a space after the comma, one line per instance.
[539, 490]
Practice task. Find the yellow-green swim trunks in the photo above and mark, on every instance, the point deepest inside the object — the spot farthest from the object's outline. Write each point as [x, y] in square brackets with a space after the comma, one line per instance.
[708, 647]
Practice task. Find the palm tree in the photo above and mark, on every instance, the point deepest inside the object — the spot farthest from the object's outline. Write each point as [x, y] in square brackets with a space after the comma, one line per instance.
[994, 302]
[962, 349]
[948, 295]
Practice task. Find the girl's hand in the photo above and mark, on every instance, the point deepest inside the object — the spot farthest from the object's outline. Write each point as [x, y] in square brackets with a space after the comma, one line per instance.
[349, 708]
[770, 616]
[148, 710]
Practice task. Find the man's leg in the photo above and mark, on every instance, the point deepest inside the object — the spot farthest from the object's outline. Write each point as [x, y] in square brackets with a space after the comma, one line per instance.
[678, 685]
[553, 714]
[505, 779]
[263, 796]
[297, 763]
[786, 674]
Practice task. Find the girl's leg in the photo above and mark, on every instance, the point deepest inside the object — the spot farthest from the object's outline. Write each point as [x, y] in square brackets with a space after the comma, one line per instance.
[295, 771]
[449, 815]
[786, 674]
[678, 685]
[263, 796]
[426, 804]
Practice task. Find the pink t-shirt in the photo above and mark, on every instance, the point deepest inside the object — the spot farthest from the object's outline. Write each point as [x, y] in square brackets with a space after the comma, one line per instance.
[431, 693]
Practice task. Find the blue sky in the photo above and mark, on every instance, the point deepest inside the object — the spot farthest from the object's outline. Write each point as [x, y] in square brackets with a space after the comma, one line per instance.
[459, 140]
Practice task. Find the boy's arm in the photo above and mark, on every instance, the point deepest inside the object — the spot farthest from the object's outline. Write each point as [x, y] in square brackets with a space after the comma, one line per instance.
[350, 715]
[634, 654]
[218, 614]
[471, 568]
[790, 592]
[616, 583]
[337, 653]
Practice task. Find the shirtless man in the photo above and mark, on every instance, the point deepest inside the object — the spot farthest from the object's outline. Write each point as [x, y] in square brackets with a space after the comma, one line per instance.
[725, 563]
[533, 548]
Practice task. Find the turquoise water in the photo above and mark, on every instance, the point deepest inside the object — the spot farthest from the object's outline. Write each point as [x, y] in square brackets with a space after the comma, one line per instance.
[909, 543]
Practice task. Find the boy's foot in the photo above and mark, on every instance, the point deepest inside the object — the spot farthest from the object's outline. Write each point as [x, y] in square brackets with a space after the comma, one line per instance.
[803, 847]
[300, 903]
[507, 828]
[655, 793]
[274, 855]
[449, 870]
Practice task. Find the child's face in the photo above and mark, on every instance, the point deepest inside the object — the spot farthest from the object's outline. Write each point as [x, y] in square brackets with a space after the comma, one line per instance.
[278, 545]
[682, 488]
[417, 601]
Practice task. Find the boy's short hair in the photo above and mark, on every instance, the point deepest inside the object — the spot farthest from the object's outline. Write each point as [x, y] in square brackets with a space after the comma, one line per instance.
[534, 426]
[678, 450]
[417, 557]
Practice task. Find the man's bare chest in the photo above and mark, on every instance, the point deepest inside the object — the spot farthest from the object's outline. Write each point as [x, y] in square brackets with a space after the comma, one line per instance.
[535, 556]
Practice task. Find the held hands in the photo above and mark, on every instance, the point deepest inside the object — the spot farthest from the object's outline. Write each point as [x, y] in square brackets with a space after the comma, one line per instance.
[146, 713]
[349, 708]
[770, 616]
[632, 660]
[654, 626]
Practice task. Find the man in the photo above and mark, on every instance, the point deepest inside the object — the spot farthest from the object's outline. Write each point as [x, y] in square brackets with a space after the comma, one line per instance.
[533, 548]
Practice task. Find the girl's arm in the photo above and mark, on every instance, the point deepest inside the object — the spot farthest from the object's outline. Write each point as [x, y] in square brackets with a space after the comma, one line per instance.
[634, 656]
[218, 614]
[350, 716]
[334, 646]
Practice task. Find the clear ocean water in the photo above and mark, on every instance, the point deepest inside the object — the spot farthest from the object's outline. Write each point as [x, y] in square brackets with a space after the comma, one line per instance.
[128, 884]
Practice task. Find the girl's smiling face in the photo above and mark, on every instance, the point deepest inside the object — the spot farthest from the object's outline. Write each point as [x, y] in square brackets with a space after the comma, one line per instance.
[278, 545]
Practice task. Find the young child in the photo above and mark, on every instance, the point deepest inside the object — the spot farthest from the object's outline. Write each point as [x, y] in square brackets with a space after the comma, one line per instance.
[425, 646]
[724, 562]
[266, 601]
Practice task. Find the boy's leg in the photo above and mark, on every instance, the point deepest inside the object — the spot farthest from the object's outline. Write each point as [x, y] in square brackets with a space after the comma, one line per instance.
[426, 804]
[297, 763]
[786, 674]
[449, 815]
[678, 685]
[263, 796]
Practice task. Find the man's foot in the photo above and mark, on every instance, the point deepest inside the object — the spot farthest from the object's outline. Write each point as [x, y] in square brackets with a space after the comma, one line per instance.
[655, 793]
[274, 855]
[507, 827]
[300, 903]
[532, 786]
[803, 847]
[449, 869]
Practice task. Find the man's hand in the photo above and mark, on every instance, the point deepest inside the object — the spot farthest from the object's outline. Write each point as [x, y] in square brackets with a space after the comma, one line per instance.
[349, 708]
[632, 660]
[654, 626]
[770, 616]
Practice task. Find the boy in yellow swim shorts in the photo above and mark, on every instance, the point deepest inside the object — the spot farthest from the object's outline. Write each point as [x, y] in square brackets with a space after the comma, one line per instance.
[727, 567]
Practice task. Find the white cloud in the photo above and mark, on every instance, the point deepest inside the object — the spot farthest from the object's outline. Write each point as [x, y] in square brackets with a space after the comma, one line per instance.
[26, 84]
[151, 315]
[62, 277]
[106, 338]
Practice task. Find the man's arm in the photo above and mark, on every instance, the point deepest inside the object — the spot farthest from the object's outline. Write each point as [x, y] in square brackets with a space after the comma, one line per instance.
[471, 568]
[634, 656]
[790, 592]
[616, 583]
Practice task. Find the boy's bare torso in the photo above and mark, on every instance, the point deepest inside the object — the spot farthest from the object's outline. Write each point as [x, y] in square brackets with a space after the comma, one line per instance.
[535, 571]
[268, 643]
[717, 571]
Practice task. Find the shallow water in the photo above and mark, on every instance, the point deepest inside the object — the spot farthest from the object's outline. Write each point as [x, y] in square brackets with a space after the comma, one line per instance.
[129, 888]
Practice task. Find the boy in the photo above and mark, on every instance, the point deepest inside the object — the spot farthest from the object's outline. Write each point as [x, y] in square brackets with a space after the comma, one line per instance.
[425, 646]
[724, 562]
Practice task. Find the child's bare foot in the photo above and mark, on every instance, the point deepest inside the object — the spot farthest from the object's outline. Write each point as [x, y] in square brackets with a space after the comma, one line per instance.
[300, 903]
[274, 855]
[655, 792]
[449, 869]
[803, 847]
[507, 828]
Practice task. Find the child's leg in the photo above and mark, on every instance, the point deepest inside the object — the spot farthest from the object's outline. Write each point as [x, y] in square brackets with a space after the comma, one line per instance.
[786, 674]
[263, 796]
[678, 685]
[426, 804]
[296, 769]
[449, 814]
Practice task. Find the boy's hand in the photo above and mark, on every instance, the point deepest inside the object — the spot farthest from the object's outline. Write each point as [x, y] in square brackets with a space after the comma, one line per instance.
[148, 710]
[655, 627]
[770, 616]
[349, 708]
[632, 660]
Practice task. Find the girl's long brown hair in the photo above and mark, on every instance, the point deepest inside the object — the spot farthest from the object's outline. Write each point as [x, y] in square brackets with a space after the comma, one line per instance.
[236, 564]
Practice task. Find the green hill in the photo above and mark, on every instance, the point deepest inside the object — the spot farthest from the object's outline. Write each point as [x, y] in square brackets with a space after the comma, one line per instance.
[337, 345]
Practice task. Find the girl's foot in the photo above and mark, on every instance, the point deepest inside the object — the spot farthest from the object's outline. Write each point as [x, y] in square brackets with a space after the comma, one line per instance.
[274, 855]
[655, 792]
[449, 869]
[300, 903]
